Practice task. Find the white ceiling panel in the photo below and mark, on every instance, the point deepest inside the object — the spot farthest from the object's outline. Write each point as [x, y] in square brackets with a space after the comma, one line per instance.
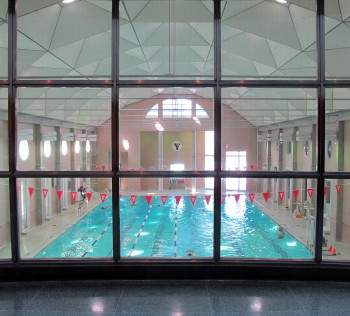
[69, 53]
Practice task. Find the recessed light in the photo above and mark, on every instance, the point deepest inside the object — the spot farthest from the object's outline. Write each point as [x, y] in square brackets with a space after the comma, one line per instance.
[67, 1]
[282, 1]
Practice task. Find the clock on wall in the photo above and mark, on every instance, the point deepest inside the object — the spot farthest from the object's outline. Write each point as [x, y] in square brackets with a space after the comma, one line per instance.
[329, 148]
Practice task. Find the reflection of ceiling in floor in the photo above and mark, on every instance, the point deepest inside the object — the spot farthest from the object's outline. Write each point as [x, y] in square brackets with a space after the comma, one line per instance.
[260, 38]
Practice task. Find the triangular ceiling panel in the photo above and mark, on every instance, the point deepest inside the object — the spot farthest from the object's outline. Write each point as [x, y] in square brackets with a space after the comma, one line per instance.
[3, 10]
[48, 17]
[186, 54]
[307, 4]
[337, 62]
[3, 35]
[103, 4]
[143, 33]
[202, 51]
[130, 9]
[300, 61]
[136, 52]
[206, 30]
[187, 36]
[69, 53]
[88, 70]
[150, 51]
[344, 8]
[263, 70]
[281, 53]
[43, 71]
[50, 61]
[25, 6]
[127, 32]
[231, 8]
[25, 58]
[95, 48]
[84, 18]
[332, 9]
[305, 25]
[338, 37]
[127, 61]
[250, 46]
[266, 16]
[233, 64]
[23, 42]
[228, 32]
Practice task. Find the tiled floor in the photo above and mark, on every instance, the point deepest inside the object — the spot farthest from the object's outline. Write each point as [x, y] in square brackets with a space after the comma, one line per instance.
[175, 298]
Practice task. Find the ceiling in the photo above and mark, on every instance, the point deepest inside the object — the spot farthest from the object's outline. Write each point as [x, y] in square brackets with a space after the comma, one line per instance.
[174, 39]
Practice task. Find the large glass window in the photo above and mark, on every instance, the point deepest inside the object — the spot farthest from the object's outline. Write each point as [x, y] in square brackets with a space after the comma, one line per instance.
[64, 129]
[166, 39]
[5, 224]
[263, 221]
[274, 127]
[64, 40]
[65, 217]
[166, 218]
[3, 38]
[4, 144]
[268, 39]
[162, 128]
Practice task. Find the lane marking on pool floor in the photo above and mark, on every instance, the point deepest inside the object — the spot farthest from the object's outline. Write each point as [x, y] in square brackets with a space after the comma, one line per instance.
[109, 225]
[175, 240]
[142, 226]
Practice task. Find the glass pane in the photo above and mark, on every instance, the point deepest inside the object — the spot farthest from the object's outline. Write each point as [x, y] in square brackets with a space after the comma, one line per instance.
[65, 217]
[166, 217]
[166, 39]
[260, 220]
[268, 39]
[337, 39]
[269, 129]
[337, 146]
[64, 129]
[336, 220]
[5, 224]
[4, 140]
[3, 38]
[64, 40]
[171, 135]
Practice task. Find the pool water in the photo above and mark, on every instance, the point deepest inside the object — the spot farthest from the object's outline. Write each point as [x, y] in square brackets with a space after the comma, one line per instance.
[171, 231]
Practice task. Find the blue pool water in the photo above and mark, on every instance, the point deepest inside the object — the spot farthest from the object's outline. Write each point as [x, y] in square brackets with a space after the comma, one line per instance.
[158, 230]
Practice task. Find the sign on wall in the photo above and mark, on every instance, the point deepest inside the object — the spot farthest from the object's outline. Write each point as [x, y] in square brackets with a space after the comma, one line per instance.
[177, 145]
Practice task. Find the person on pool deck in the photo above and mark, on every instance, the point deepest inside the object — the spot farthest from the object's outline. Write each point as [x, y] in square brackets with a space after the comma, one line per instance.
[281, 232]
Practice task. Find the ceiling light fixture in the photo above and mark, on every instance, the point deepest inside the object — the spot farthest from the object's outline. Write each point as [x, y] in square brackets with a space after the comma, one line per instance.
[126, 144]
[87, 146]
[282, 1]
[24, 149]
[64, 147]
[159, 127]
[67, 1]
[47, 148]
[77, 147]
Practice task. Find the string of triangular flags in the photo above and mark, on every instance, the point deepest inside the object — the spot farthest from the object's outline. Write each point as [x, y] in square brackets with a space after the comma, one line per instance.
[59, 193]
[193, 198]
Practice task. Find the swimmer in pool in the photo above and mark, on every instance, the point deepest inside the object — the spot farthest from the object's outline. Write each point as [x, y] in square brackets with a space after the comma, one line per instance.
[105, 207]
[281, 233]
[190, 253]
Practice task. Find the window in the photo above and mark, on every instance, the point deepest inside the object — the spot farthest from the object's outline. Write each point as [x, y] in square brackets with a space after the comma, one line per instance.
[236, 160]
[209, 157]
[177, 108]
[153, 113]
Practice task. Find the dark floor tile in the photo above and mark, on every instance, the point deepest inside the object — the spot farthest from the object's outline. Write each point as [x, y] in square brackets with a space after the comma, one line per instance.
[251, 298]
[165, 298]
[17, 296]
[328, 313]
[77, 298]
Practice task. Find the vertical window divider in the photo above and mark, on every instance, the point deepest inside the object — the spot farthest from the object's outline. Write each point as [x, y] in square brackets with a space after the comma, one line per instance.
[115, 131]
[217, 129]
[12, 70]
[320, 29]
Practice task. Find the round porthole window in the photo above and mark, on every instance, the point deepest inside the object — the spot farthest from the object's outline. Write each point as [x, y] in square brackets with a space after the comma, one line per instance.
[329, 149]
[306, 147]
[289, 147]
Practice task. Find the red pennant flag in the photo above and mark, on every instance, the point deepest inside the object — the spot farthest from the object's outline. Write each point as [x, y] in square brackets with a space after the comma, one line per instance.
[103, 168]
[120, 196]
[310, 192]
[19, 188]
[193, 199]
[266, 196]
[133, 199]
[177, 198]
[296, 193]
[59, 194]
[103, 197]
[88, 195]
[237, 197]
[148, 199]
[110, 168]
[31, 190]
[125, 168]
[223, 199]
[259, 166]
[338, 187]
[325, 191]
[251, 197]
[281, 195]
[73, 195]
[96, 166]
[207, 198]
[163, 197]
[252, 167]
[45, 191]
[132, 169]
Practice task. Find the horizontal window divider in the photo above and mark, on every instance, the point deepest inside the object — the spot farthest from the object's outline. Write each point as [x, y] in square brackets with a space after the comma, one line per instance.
[166, 174]
[268, 262]
[5, 174]
[271, 83]
[63, 174]
[164, 260]
[63, 261]
[269, 174]
[63, 83]
[336, 175]
[4, 83]
[166, 83]
[337, 83]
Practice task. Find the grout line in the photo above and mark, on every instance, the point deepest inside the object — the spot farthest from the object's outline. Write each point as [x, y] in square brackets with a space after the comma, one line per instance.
[121, 294]
[295, 297]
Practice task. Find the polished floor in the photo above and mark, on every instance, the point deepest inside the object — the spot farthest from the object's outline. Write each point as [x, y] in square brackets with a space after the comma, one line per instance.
[175, 298]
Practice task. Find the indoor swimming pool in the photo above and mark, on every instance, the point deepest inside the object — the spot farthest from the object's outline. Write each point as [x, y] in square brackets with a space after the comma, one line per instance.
[173, 231]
